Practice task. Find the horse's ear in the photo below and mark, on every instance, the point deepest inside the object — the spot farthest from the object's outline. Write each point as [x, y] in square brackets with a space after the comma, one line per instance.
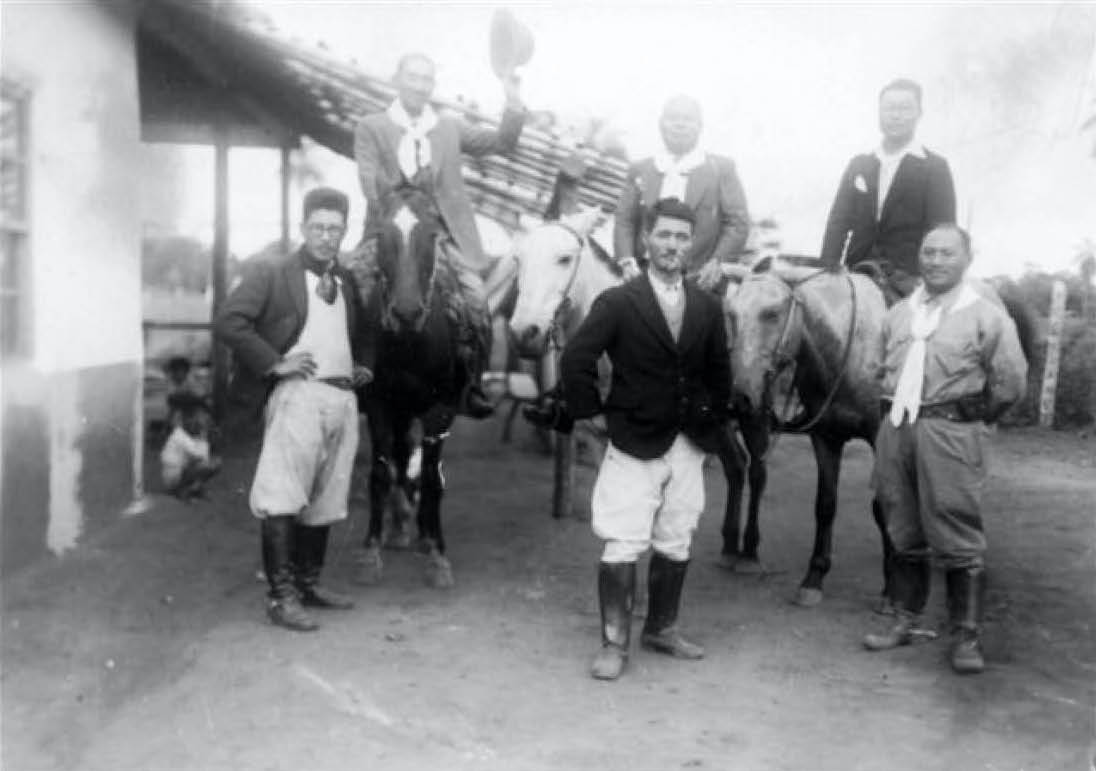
[763, 265]
[734, 271]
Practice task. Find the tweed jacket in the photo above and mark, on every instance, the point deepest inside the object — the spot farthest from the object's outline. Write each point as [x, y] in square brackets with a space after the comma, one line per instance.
[264, 316]
[660, 388]
[713, 192]
[376, 140]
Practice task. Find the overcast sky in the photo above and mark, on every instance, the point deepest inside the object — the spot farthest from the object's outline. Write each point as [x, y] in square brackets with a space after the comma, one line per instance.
[789, 92]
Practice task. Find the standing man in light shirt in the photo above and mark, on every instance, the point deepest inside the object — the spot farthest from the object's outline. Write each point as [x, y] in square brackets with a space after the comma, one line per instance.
[410, 154]
[707, 183]
[302, 345]
[665, 409]
[888, 199]
[951, 365]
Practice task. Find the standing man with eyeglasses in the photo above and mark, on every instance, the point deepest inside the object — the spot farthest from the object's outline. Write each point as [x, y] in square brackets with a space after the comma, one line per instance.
[410, 154]
[888, 199]
[301, 344]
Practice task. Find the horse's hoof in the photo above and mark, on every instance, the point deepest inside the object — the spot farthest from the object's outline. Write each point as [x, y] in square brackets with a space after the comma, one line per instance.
[398, 539]
[370, 567]
[806, 597]
[884, 606]
[439, 573]
[728, 562]
[749, 566]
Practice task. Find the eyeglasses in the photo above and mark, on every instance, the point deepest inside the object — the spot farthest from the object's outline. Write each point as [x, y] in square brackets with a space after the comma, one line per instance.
[326, 230]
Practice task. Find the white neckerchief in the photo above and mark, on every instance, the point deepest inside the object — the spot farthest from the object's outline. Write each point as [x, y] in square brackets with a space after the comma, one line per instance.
[413, 152]
[675, 171]
[888, 167]
[923, 322]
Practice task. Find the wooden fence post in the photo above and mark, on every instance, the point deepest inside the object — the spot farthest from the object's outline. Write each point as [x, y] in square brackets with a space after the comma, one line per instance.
[1054, 346]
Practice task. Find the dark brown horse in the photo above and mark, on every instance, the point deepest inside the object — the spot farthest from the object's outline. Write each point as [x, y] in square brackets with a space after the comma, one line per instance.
[417, 377]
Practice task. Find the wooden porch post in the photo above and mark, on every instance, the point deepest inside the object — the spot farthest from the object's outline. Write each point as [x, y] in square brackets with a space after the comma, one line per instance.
[285, 198]
[220, 267]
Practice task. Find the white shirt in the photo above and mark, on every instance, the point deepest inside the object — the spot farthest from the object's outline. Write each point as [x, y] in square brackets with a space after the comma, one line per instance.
[324, 334]
[180, 450]
[888, 167]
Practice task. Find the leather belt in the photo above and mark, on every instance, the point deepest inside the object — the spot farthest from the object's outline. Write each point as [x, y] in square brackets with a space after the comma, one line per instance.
[943, 411]
[344, 383]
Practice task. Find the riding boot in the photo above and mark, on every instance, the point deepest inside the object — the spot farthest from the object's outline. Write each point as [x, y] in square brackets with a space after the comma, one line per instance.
[283, 606]
[616, 589]
[475, 352]
[665, 579]
[309, 548]
[966, 598]
[911, 581]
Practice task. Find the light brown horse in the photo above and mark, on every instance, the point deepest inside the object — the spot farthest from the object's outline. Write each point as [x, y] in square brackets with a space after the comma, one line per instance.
[825, 327]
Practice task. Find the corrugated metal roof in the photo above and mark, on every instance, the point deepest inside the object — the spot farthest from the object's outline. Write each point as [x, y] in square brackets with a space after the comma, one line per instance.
[318, 95]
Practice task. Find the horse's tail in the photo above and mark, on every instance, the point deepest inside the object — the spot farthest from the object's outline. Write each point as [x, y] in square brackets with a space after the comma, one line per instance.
[1021, 313]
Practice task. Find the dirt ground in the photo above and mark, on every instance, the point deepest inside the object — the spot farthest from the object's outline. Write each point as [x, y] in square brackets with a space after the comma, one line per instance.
[147, 649]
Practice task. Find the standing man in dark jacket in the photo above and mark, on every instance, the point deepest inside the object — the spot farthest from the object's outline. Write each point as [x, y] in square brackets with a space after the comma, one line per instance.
[296, 328]
[670, 387]
[888, 199]
[707, 183]
[409, 153]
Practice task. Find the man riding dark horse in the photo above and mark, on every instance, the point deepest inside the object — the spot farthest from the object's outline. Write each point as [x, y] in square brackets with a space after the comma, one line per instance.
[409, 152]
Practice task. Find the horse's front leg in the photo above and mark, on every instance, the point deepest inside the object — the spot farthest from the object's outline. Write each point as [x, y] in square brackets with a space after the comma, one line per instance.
[439, 573]
[733, 459]
[885, 606]
[757, 436]
[827, 454]
[370, 565]
[403, 492]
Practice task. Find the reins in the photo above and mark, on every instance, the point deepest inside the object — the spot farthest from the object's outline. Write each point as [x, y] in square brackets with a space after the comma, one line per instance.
[781, 358]
[552, 340]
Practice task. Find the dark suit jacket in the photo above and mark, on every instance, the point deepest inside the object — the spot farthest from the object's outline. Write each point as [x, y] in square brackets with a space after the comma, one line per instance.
[660, 388]
[921, 195]
[264, 316]
[712, 191]
[376, 139]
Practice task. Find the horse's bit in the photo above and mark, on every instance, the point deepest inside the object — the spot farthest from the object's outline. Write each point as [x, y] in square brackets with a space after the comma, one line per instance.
[782, 358]
[552, 335]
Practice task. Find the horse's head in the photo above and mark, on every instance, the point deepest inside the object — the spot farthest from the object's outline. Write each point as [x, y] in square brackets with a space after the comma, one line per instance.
[406, 260]
[764, 335]
[549, 259]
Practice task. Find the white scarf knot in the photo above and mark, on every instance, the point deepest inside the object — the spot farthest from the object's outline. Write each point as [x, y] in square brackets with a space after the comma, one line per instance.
[413, 152]
[675, 172]
[907, 394]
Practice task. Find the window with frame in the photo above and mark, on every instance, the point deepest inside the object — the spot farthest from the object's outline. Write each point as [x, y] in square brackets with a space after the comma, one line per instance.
[14, 258]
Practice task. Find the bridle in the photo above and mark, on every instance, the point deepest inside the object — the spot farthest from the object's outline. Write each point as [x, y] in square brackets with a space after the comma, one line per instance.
[388, 321]
[781, 358]
[553, 336]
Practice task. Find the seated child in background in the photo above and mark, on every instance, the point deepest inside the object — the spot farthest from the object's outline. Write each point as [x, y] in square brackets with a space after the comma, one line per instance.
[182, 384]
[185, 462]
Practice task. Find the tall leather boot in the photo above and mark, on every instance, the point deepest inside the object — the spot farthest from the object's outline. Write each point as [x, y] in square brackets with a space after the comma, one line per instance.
[911, 581]
[665, 579]
[616, 590]
[475, 352]
[966, 598]
[283, 606]
[309, 548]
